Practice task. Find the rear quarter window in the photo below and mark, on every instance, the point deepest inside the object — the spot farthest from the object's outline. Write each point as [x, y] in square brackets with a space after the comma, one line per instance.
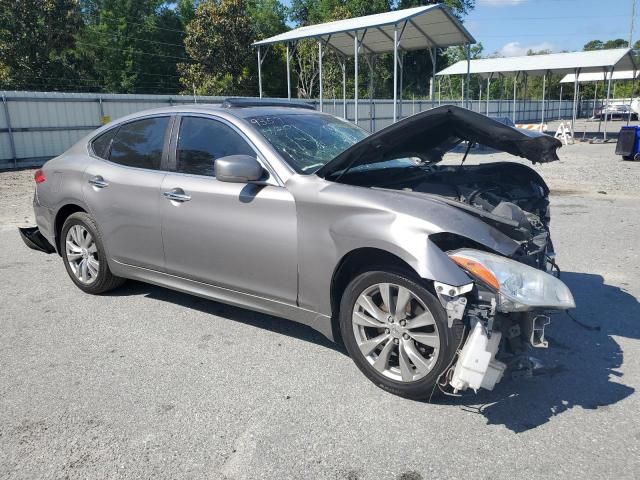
[100, 145]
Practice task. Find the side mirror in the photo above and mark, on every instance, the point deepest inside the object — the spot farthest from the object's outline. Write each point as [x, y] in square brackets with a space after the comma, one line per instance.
[238, 169]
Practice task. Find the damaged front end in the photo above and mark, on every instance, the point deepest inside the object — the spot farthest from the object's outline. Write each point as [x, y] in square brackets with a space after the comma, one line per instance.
[510, 197]
[505, 311]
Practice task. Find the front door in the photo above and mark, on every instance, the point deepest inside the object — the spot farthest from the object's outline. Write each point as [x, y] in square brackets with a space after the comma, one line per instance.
[232, 235]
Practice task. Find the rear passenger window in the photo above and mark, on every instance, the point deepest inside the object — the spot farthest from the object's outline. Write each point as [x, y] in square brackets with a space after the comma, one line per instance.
[139, 144]
[100, 145]
[202, 141]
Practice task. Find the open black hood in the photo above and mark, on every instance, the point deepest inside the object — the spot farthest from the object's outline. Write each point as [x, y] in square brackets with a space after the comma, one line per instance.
[429, 135]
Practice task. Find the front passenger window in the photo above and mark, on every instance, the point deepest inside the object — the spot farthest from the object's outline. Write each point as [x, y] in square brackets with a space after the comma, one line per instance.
[202, 141]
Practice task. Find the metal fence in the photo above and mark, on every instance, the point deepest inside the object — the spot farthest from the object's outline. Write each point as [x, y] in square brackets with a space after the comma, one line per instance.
[36, 126]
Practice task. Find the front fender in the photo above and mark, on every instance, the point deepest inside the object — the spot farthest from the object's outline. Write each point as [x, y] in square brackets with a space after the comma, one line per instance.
[335, 219]
[400, 236]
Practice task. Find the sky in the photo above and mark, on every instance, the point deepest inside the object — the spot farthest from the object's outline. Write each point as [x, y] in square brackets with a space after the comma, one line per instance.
[511, 27]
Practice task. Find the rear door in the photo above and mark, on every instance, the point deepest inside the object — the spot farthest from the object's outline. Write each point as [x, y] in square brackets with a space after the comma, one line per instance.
[233, 235]
[122, 189]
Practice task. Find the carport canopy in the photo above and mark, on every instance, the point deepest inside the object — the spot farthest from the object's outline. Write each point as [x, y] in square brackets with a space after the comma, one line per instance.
[595, 61]
[577, 63]
[421, 28]
[430, 26]
[599, 77]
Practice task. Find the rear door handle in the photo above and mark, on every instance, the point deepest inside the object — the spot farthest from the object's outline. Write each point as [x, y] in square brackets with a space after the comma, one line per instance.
[177, 195]
[98, 182]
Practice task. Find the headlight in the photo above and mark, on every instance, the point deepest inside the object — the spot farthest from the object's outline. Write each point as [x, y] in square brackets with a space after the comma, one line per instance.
[519, 286]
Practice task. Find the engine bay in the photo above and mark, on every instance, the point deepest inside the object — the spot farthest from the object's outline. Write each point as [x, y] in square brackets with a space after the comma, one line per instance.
[510, 196]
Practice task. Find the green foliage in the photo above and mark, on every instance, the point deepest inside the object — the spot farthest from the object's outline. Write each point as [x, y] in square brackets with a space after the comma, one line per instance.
[218, 41]
[37, 44]
[600, 45]
[459, 8]
[268, 18]
[172, 46]
[131, 45]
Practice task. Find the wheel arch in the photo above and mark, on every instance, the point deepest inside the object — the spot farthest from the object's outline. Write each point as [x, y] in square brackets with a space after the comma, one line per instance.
[358, 261]
[61, 216]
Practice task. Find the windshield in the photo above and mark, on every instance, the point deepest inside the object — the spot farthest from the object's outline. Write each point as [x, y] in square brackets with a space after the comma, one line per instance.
[307, 141]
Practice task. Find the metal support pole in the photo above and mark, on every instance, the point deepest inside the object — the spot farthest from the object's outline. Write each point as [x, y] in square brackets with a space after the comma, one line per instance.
[604, 84]
[606, 112]
[515, 92]
[432, 86]
[401, 66]
[525, 96]
[439, 91]
[320, 73]
[633, 89]
[101, 107]
[544, 96]
[288, 73]
[574, 113]
[259, 73]
[501, 94]
[395, 73]
[344, 88]
[468, 77]
[560, 104]
[10, 132]
[371, 114]
[356, 47]
[488, 92]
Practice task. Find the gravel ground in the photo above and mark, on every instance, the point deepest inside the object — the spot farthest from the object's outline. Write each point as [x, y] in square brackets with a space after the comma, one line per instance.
[150, 383]
[16, 191]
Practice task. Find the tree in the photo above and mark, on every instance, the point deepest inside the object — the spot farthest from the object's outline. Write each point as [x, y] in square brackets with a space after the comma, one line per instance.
[132, 45]
[218, 42]
[37, 42]
[306, 12]
[460, 8]
[593, 45]
[268, 18]
[600, 45]
[418, 66]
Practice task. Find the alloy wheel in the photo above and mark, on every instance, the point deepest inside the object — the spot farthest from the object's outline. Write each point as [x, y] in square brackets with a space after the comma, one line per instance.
[395, 332]
[82, 254]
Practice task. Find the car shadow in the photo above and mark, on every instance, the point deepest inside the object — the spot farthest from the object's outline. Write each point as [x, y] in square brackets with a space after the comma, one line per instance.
[580, 366]
[228, 312]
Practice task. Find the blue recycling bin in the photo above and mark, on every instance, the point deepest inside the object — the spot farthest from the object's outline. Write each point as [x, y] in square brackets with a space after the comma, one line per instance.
[629, 143]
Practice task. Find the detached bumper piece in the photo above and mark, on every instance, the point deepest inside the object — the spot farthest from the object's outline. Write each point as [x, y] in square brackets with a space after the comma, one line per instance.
[33, 239]
[477, 366]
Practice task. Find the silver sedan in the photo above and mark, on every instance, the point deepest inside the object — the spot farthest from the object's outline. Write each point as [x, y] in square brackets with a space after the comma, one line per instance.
[421, 270]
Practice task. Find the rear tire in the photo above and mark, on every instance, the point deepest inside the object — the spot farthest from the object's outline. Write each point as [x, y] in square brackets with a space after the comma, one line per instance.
[84, 255]
[420, 345]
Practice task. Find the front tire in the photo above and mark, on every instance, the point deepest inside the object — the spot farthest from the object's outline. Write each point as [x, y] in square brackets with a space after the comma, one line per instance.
[84, 255]
[397, 332]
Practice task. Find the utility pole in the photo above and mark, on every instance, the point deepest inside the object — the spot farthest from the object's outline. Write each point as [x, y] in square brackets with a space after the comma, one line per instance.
[633, 18]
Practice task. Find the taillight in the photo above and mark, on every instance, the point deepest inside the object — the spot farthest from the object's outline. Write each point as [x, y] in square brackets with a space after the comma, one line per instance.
[39, 176]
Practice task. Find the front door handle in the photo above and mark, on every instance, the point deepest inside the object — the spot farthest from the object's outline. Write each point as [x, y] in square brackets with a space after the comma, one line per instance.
[177, 195]
[98, 182]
